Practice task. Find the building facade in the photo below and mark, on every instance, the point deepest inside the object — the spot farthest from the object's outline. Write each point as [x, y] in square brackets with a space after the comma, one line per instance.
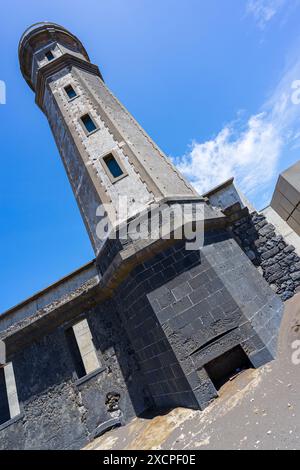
[150, 323]
[269, 242]
[284, 210]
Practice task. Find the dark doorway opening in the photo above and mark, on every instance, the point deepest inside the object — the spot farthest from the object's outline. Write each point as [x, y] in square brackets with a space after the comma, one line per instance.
[221, 369]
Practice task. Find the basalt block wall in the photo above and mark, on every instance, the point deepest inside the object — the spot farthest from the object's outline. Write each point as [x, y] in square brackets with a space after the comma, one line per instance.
[265, 245]
[171, 317]
[58, 411]
[277, 261]
[167, 318]
[182, 309]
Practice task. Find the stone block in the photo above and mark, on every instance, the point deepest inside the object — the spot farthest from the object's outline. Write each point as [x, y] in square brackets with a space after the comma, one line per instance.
[261, 357]
[181, 291]
[295, 275]
[270, 253]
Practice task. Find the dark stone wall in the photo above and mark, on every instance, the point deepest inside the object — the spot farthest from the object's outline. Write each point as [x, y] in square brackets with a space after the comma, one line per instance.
[172, 316]
[57, 413]
[277, 261]
[4, 407]
[163, 373]
[183, 309]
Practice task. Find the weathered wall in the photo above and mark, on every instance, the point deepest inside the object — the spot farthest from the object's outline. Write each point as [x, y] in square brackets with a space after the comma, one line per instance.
[152, 164]
[226, 195]
[277, 261]
[90, 147]
[269, 247]
[58, 413]
[52, 295]
[171, 316]
[205, 303]
[148, 174]
[282, 228]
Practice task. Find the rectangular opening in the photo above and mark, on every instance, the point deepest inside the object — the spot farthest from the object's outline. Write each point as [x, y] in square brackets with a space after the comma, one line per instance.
[221, 369]
[9, 402]
[113, 166]
[88, 123]
[75, 353]
[4, 406]
[49, 55]
[70, 92]
[82, 349]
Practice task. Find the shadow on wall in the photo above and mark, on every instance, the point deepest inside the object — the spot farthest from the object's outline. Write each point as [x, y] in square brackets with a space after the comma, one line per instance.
[179, 315]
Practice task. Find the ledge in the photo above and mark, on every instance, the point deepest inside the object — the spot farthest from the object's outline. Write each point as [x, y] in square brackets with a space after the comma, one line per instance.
[47, 289]
[87, 377]
[35, 35]
[218, 188]
[88, 134]
[11, 421]
[55, 66]
[73, 99]
[106, 426]
[114, 262]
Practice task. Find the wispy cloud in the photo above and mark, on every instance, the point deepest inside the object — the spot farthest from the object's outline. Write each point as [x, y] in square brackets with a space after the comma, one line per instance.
[248, 150]
[263, 10]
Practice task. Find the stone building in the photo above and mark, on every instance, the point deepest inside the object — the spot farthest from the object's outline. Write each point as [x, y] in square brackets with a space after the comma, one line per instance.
[284, 210]
[149, 323]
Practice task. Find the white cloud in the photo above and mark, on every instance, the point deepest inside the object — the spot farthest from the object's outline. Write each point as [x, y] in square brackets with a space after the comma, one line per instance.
[249, 151]
[251, 156]
[263, 10]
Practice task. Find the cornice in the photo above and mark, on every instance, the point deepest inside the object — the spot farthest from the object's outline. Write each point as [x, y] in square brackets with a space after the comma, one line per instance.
[66, 60]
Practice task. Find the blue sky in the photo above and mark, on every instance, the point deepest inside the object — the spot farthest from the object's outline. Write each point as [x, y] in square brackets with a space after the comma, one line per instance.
[209, 80]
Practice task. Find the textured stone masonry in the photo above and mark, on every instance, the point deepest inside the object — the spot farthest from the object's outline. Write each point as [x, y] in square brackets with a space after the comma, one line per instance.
[157, 319]
[277, 261]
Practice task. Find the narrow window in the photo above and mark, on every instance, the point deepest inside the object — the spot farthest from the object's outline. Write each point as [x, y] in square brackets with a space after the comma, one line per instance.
[82, 348]
[88, 123]
[113, 166]
[9, 403]
[70, 91]
[49, 56]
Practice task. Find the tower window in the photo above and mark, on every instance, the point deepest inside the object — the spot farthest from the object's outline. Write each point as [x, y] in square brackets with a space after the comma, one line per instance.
[70, 92]
[49, 56]
[88, 123]
[113, 166]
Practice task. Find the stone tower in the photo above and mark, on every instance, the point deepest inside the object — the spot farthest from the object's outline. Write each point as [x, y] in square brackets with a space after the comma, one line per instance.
[107, 155]
[150, 323]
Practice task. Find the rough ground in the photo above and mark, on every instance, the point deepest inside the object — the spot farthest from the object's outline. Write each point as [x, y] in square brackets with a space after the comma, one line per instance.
[259, 409]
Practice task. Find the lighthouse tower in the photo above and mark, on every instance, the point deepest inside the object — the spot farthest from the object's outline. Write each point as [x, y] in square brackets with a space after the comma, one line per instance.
[187, 319]
[106, 153]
